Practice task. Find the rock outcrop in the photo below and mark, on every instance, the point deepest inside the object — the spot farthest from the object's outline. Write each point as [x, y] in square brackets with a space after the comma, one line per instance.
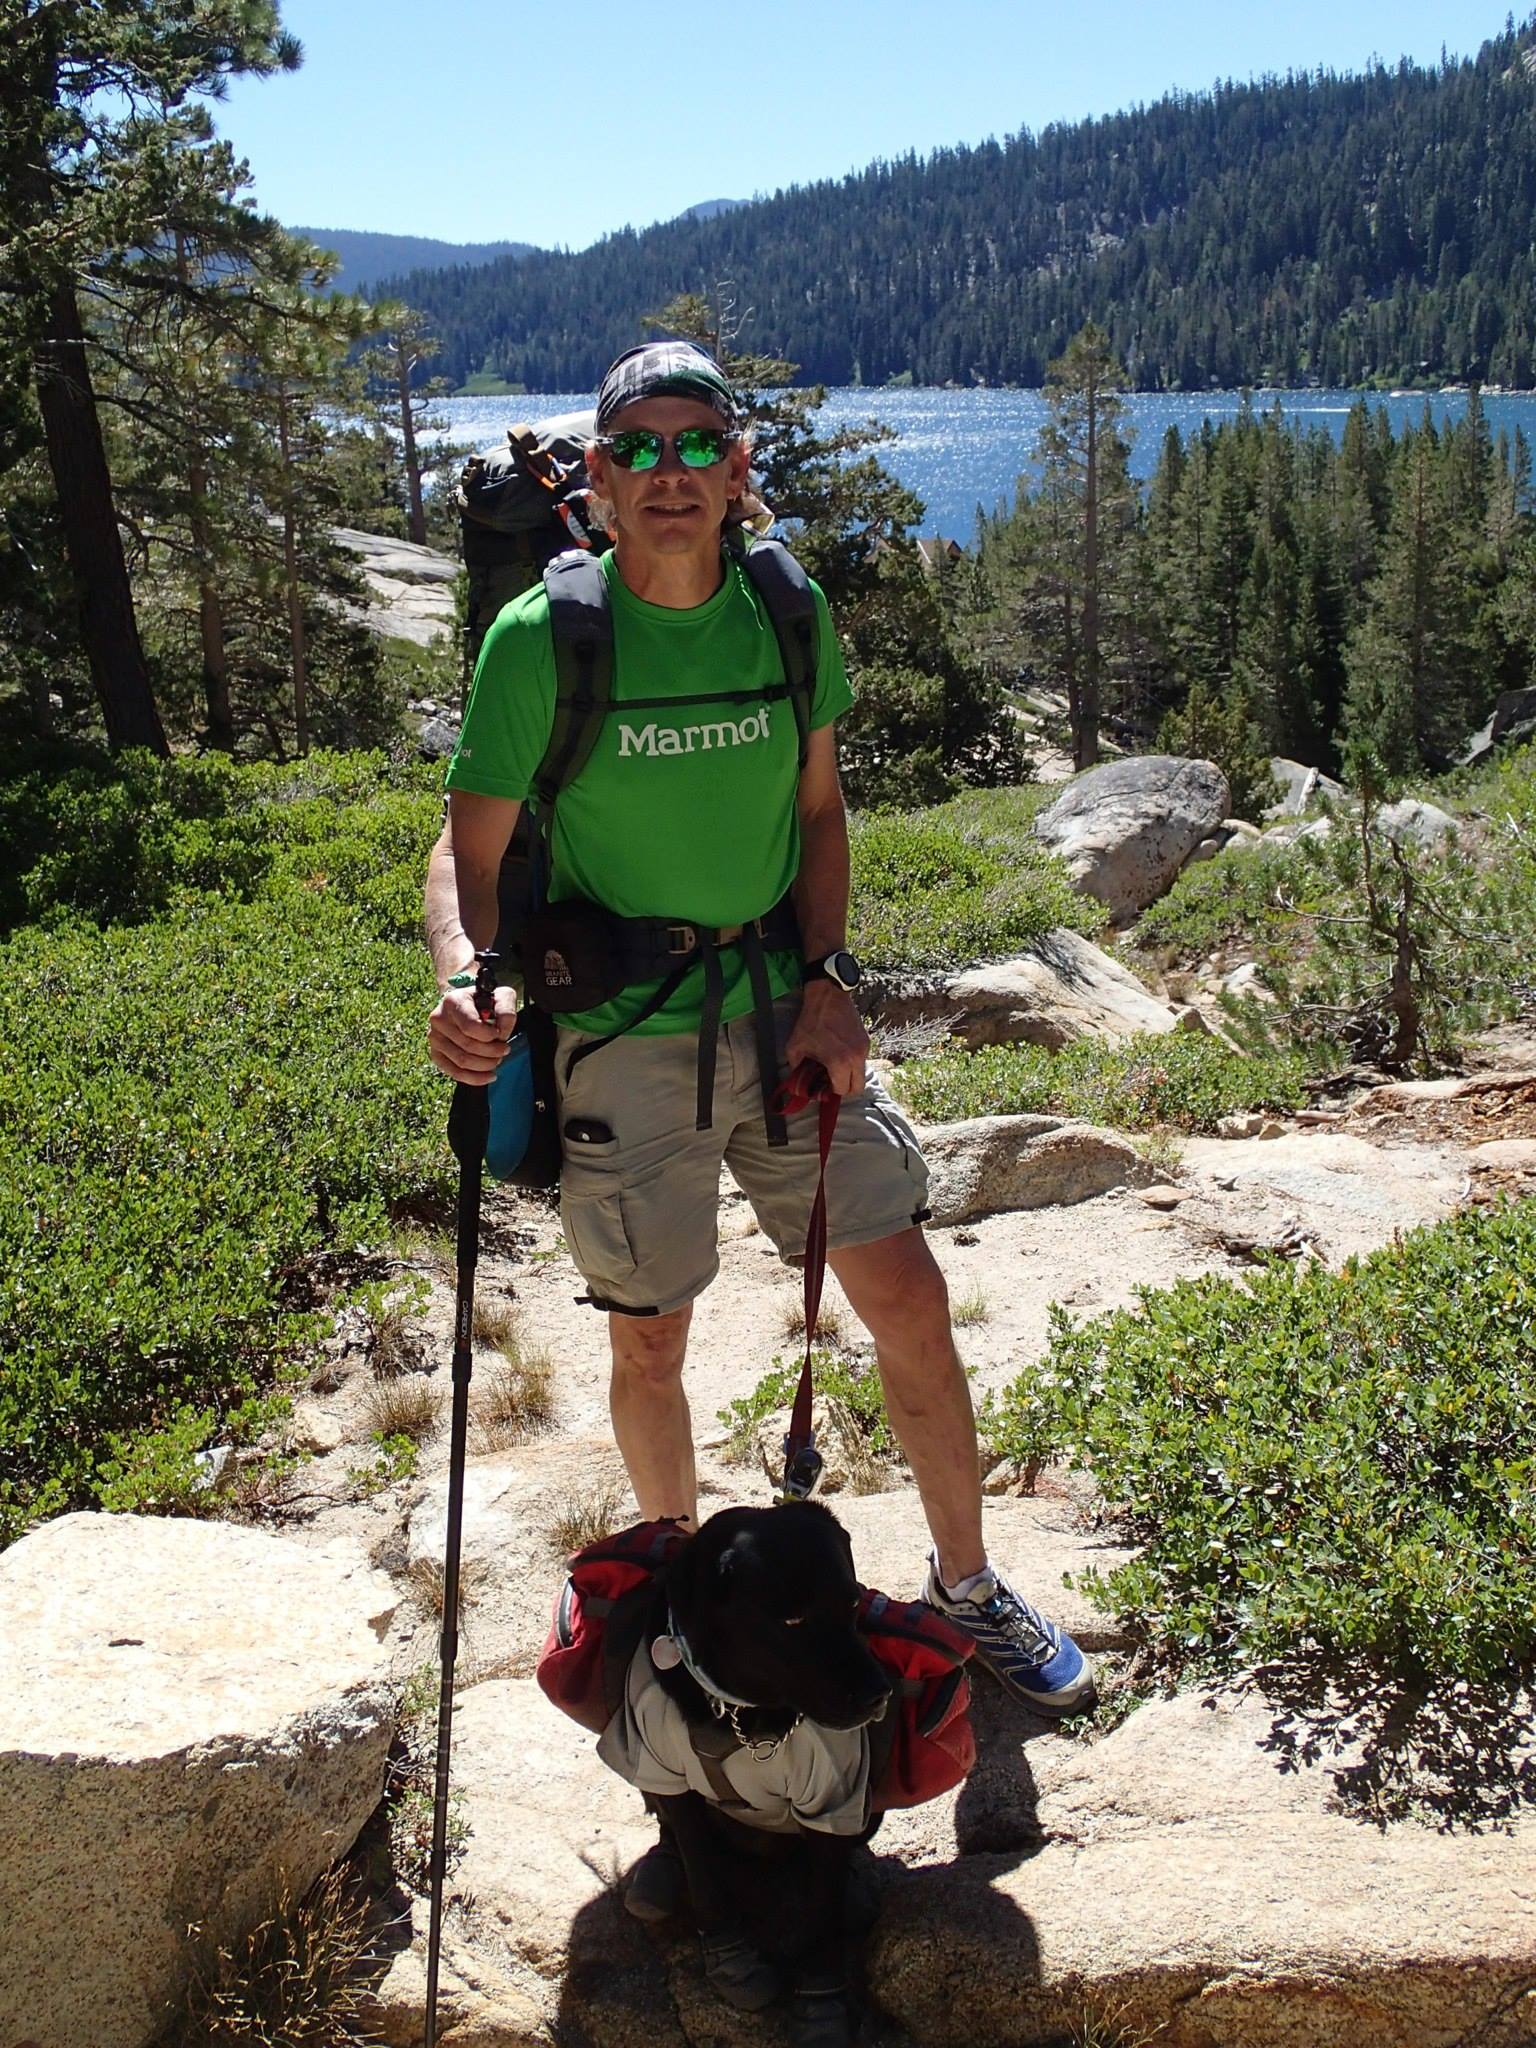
[1415, 822]
[1512, 723]
[1063, 988]
[1126, 827]
[190, 1709]
[989, 1163]
[410, 588]
[1195, 1875]
[1301, 786]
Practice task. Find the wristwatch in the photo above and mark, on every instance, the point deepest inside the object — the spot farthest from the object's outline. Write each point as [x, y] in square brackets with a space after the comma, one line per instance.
[840, 967]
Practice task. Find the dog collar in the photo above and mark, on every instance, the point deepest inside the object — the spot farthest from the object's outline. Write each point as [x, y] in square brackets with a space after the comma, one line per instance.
[726, 1706]
[698, 1674]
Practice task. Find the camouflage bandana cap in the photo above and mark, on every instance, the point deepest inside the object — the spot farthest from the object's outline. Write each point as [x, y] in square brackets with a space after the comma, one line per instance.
[665, 369]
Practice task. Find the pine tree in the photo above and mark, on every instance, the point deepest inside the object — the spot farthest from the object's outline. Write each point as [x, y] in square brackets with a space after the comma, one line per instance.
[394, 365]
[103, 130]
[1085, 460]
[1414, 683]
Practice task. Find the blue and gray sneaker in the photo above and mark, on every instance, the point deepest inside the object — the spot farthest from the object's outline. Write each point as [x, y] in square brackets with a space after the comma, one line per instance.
[1027, 1654]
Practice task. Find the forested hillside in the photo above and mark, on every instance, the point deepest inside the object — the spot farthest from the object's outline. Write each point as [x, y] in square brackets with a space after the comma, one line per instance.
[1341, 229]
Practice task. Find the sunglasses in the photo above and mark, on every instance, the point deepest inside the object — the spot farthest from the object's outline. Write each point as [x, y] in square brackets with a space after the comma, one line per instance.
[643, 447]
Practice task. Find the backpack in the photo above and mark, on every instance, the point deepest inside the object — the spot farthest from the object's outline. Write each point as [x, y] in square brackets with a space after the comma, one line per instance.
[519, 507]
[923, 1744]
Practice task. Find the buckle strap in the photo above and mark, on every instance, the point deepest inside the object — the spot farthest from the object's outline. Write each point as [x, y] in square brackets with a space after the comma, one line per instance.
[767, 1045]
[709, 1032]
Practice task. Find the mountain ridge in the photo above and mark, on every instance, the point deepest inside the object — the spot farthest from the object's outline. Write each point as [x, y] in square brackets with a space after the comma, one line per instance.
[1328, 228]
[368, 255]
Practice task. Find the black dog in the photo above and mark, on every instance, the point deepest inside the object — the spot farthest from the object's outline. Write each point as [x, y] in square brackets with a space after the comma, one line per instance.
[753, 1685]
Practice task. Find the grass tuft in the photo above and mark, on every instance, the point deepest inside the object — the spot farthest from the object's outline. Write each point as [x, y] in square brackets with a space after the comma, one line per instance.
[515, 1399]
[582, 1518]
[831, 1323]
[970, 1309]
[496, 1324]
[293, 1981]
[409, 1407]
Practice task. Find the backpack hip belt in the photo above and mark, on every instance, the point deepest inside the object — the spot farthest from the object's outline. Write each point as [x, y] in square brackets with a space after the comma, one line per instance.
[577, 955]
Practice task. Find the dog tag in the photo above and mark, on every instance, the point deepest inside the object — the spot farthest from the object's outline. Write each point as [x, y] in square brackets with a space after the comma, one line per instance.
[665, 1654]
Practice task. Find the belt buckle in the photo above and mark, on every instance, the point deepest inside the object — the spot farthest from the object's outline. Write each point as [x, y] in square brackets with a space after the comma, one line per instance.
[681, 938]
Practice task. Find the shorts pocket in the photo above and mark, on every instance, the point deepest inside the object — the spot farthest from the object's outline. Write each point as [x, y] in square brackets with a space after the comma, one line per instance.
[904, 1139]
[592, 1216]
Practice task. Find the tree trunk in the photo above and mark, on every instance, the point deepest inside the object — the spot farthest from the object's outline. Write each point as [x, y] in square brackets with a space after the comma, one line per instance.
[1086, 736]
[412, 461]
[109, 631]
[295, 595]
[210, 606]
[210, 617]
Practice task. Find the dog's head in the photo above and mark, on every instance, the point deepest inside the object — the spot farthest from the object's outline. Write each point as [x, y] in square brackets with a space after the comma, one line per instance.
[768, 1601]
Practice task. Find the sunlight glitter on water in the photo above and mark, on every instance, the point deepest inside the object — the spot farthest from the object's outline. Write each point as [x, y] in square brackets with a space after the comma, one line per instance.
[962, 451]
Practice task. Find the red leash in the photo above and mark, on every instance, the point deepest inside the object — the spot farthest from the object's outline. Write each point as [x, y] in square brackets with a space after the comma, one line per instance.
[809, 1083]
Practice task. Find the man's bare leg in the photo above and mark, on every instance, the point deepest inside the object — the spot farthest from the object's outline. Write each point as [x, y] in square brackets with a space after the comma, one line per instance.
[898, 1293]
[651, 1423]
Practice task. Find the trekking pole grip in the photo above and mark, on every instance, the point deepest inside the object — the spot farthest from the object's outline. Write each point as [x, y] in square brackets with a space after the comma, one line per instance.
[487, 960]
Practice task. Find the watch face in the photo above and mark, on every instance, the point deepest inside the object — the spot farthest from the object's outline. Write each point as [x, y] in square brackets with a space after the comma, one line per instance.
[843, 969]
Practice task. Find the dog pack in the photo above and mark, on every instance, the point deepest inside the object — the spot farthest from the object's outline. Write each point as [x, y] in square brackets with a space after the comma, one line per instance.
[922, 1746]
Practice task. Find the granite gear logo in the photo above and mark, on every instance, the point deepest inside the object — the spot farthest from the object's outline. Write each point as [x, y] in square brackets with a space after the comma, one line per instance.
[557, 970]
[693, 739]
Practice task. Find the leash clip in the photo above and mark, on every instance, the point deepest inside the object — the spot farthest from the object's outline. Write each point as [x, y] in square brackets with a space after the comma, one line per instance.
[802, 1472]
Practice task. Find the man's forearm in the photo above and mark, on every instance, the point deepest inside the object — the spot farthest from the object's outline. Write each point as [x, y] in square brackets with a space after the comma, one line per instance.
[461, 909]
[821, 887]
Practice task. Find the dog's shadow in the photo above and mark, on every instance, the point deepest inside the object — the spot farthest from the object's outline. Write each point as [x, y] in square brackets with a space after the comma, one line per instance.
[625, 1985]
[996, 1812]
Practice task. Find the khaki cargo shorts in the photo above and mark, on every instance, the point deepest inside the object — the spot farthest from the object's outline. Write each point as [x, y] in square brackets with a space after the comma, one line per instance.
[640, 1205]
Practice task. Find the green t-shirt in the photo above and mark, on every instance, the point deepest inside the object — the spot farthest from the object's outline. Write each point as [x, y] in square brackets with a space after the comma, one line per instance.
[684, 810]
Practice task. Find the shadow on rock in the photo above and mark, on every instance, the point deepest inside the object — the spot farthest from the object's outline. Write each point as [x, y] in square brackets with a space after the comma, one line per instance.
[1461, 1757]
[627, 1986]
[996, 1812]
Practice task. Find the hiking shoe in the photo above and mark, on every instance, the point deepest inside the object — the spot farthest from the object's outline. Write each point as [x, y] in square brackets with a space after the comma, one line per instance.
[657, 1889]
[1027, 1654]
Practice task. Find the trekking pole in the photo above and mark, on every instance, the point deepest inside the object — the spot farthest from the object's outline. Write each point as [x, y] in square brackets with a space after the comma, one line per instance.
[468, 1123]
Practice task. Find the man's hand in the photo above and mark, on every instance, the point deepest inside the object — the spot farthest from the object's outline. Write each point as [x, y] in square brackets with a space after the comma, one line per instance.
[462, 1046]
[829, 1029]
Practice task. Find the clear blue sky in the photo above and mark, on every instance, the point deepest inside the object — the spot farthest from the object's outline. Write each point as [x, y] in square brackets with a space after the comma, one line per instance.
[554, 123]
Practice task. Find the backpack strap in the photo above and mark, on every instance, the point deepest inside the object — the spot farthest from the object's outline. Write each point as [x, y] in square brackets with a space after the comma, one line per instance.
[790, 603]
[581, 627]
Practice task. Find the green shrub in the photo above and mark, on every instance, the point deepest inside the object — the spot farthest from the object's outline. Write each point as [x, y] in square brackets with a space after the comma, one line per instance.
[936, 890]
[852, 1381]
[120, 840]
[1239, 896]
[188, 1111]
[1326, 1469]
[1182, 1078]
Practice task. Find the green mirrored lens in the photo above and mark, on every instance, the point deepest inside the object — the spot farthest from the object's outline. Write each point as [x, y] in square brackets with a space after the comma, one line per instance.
[700, 447]
[640, 448]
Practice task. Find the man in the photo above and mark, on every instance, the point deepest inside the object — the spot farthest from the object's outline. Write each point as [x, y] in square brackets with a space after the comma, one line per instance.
[695, 806]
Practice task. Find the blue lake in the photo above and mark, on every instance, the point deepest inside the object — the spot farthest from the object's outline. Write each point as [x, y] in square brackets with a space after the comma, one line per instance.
[962, 449]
